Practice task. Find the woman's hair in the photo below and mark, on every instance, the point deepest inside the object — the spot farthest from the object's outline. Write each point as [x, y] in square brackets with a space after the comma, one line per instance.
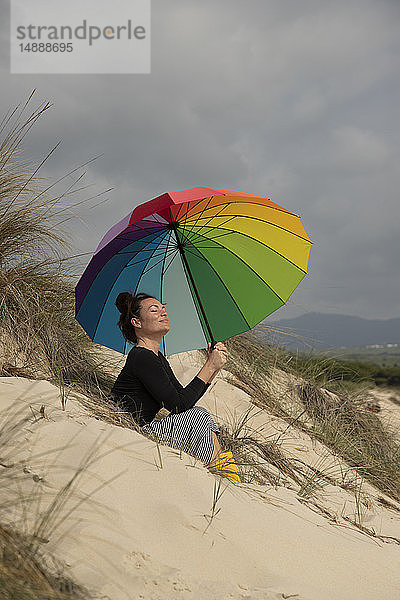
[129, 307]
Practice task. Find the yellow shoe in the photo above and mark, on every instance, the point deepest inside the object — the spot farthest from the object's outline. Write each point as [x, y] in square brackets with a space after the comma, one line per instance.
[226, 463]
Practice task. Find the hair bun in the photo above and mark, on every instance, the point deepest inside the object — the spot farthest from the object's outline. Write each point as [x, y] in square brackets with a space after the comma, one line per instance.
[124, 302]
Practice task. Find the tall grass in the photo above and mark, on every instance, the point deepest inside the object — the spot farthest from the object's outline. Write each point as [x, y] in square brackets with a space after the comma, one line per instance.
[344, 423]
[341, 420]
[39, 338]
[39, 333]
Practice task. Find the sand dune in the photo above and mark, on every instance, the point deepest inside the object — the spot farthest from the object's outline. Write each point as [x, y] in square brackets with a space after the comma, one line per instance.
[146, 530]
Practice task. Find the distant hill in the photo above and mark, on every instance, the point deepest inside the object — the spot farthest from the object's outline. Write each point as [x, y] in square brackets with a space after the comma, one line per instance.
[319, 331]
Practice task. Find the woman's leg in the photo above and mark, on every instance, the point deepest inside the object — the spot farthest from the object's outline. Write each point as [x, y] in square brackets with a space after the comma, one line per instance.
[217, 449]
[192, 431]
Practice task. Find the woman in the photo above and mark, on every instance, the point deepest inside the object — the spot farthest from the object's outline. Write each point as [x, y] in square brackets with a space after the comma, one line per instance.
[147, 383]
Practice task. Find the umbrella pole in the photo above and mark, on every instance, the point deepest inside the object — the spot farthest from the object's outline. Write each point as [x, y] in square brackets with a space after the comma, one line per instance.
[181, 250]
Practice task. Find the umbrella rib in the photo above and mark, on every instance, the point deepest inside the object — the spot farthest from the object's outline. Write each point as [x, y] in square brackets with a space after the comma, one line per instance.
[151, 220]
[182, 205]
[217, 227]
[122, 252]
[179, 210]
[161, 290]
[261, 221]
[265, 245]
[166, 269]
[194, 205]
[148, 245]
[107, 296]
[137, 227]
[277, 208]
[119, 252]
[132, 241]
[200, 212]
[186, 216]
[141, 275]
[204, 208]
[188, 211]
[221, 280]
[134, 263]
[229, 232]
[145, 260]
[251, 269]
[203, 258]
[164, 254]
[144, 271]
[205, 224]
[125, 235]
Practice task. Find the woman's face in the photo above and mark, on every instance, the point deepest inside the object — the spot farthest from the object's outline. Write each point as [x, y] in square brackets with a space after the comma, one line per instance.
[153, 318]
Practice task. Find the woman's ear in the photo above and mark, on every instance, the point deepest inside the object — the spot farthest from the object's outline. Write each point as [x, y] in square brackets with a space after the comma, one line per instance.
[135, 322]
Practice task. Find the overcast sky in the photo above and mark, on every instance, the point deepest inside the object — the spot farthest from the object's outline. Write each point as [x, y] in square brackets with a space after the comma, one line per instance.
[297, 100]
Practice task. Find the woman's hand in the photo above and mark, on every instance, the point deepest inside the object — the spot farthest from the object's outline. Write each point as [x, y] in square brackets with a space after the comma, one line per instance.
[215, 360]
[218, 356]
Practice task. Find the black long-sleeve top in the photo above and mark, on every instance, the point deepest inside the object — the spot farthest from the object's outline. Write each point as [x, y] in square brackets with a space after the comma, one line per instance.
[147, 383]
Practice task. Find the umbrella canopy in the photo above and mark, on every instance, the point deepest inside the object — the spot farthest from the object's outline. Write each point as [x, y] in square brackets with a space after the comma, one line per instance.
[220, 260]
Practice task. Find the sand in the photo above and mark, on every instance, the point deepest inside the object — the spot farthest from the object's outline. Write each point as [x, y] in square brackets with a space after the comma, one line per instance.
[146, 530]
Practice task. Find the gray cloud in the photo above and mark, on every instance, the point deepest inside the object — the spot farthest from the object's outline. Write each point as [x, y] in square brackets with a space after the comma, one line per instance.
[296, 101]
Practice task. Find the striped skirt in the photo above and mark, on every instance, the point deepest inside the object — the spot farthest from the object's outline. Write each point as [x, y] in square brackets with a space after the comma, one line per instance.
[190, 431]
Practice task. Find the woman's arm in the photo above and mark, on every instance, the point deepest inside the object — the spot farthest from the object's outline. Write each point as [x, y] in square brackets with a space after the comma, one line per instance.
[209, 369]
[153, 375]
[173, 378]
[213, 375]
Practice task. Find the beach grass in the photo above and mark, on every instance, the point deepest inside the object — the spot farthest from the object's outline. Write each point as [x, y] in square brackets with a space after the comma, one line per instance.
[27, 571]
[39, 334]
[40, 338]
[342, 419]
[31, 514]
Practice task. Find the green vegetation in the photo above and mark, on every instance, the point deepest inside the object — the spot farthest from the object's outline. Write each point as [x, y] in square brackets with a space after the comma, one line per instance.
[356, 371]
[377, 365]
[346, 367]
[386, 356]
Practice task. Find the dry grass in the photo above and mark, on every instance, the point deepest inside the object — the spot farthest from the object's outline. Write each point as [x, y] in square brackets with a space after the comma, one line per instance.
[26, 570]
[341, 421]
[39, 334]
[344, 424]
[24, 576]
[31, 515]
[40, 338]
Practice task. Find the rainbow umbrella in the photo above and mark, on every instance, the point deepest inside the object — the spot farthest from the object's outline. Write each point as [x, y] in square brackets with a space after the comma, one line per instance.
[220, 260]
